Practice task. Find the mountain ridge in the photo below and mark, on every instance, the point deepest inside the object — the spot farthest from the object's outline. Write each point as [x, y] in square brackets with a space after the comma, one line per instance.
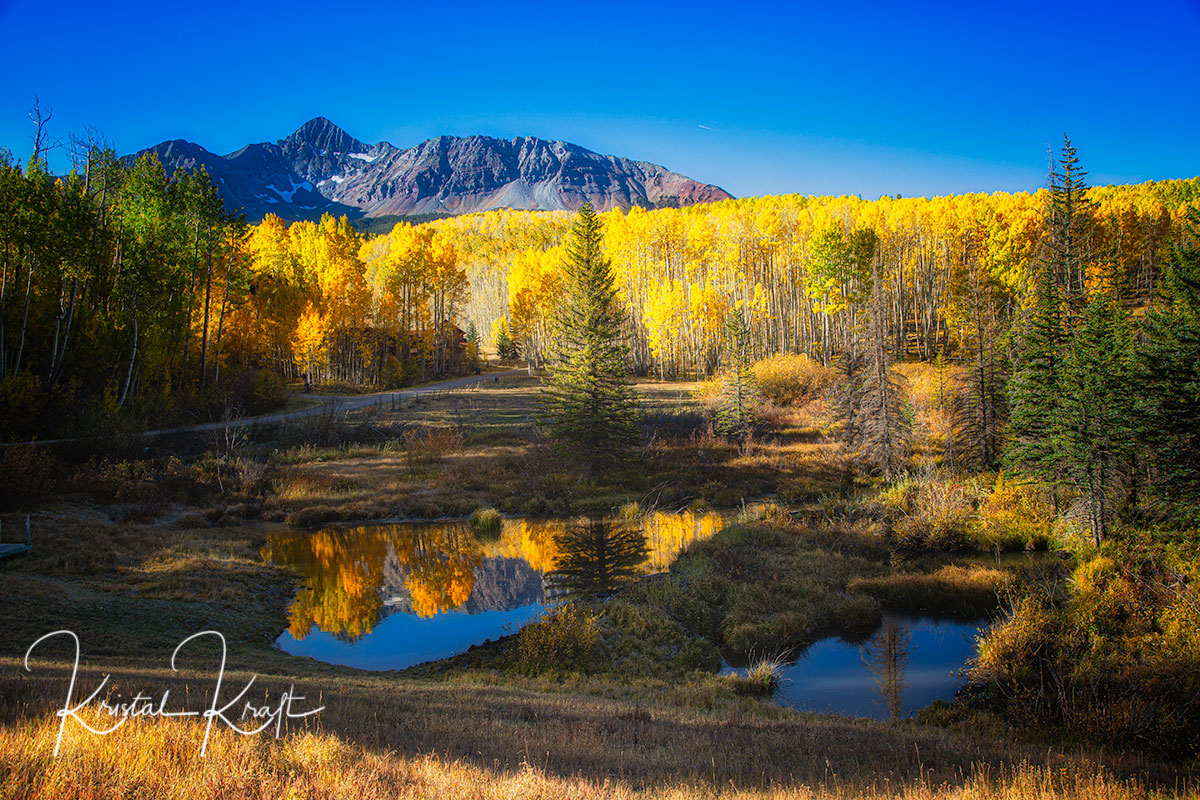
[320, 168]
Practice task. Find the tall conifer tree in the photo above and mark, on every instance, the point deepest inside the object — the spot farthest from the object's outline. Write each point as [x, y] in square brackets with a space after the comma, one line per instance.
[878, 426]
[1093, 437]
[739, 398]
[1169, 370]
[589, 402]
[1035, 393]
[1071, 398]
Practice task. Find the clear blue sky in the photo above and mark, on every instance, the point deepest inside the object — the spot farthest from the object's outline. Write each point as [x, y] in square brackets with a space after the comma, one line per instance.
[759, 98]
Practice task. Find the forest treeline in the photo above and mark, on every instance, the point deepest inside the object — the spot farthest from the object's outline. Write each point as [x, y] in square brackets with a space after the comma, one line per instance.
[125, 291]
[802, 267]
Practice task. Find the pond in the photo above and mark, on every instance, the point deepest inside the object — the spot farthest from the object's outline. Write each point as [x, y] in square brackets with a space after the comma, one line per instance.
[390, 596]
[908, 663]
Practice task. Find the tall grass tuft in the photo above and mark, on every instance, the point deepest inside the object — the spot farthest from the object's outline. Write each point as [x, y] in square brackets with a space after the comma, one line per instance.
[486, 523]
[761, 680]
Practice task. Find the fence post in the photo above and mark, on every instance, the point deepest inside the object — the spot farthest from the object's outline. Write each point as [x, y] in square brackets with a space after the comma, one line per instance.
[27, 530]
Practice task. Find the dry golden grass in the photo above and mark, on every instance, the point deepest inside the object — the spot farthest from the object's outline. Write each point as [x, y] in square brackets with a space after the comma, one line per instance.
[161, 760]
[968, 590]
[133, 591]
[791, 379]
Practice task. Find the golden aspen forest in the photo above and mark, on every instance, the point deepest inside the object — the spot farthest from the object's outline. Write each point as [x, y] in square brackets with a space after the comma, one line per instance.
[556, 401]
[777, 459]
[148, 295]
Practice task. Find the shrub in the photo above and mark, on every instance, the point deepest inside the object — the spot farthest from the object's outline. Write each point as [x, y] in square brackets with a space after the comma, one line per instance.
[561, 640]
[22, 405]
[257, 391]
[941, 511]
[932, 513]
[1017, 512]
[29, 471]
[313, 515]
[1118, 663]
[425, 447]
[707, 392]
[790, 379]
[801, 490]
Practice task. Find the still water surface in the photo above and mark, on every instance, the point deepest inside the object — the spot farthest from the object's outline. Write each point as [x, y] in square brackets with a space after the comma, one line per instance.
[389, 596]
[908, 663]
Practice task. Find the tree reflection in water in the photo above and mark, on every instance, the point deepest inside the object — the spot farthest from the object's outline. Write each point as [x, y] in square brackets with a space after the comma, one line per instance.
[885, 655]
[595, 557]
[343, 570]
[342, 573]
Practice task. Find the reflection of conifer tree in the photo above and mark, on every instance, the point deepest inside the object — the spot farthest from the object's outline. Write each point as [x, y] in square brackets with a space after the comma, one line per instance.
[596, 557]
[886, 655]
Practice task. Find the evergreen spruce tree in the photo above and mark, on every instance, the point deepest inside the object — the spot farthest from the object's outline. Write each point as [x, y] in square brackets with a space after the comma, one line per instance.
[472, 338]
[1071, 394]
[1168, 371]
[739, 399]
[1069, 233]
[1094, 438]
[589, 403]
[506, 346]
[1035, 393]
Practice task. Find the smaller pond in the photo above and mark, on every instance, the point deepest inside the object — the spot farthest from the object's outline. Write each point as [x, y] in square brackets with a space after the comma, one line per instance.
[908, 663]
[390, 596]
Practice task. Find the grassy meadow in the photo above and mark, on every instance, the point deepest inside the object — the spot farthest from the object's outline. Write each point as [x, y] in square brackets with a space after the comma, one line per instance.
[139, 546]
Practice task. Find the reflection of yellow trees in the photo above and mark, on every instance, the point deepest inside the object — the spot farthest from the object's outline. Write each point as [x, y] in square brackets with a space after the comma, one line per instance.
[342, 570]
[668, 534]
[342, 573]
[439, 563]
[533, 541]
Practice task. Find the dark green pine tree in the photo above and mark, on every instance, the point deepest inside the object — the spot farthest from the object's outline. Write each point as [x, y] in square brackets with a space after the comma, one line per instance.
[473, 343]
[1033, 393]
[589, 403]
[1168, 371]
[506, 346]
[1043, 339]
[1069, 234]
[1094, 434]
[739, 400]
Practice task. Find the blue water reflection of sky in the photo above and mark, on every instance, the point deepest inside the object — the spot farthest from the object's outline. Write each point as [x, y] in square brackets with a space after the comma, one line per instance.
[404, 640]
[830, 676]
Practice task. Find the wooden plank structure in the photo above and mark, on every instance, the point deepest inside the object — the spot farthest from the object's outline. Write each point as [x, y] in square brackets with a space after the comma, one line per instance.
[15, 549]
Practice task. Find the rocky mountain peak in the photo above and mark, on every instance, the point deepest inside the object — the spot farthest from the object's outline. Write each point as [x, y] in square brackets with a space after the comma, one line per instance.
[320, 168]
[322, 135]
